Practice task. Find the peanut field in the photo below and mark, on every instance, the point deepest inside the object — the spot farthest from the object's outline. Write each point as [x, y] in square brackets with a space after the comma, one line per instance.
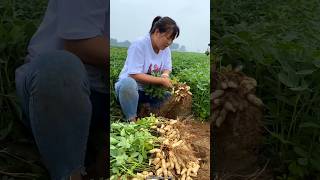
[191, 68]
[154, 146]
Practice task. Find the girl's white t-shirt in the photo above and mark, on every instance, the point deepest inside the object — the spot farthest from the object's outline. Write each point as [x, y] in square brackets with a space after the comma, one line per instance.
[72, 20]
[141, 58]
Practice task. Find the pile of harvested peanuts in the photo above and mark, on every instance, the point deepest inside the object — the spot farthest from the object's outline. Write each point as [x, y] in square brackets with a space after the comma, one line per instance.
[174, 158]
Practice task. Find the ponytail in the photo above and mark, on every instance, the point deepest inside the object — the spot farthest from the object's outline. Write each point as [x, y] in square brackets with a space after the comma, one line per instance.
[153, 22]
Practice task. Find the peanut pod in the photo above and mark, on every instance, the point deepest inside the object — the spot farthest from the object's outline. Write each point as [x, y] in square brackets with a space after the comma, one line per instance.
[254, 100]
[217, 93]
[217, 102]
[156, 161]
[221, 118]
[229, 107]
[155, 150]
[184, 170]
[164, 168]
[232, 84]
[173, 121]
[224, 85]
[215, 115]
[158, 165]
[177, 143]
[159, 172]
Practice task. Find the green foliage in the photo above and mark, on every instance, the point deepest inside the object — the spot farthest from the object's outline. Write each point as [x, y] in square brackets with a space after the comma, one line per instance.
[192, 68]
[19, 20]
[117, 59]
[129, 144]
[155, 91]
[278, 44]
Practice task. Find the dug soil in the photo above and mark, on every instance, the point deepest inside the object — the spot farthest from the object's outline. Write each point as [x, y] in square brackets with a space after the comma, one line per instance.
[197, 134]
[231, 164]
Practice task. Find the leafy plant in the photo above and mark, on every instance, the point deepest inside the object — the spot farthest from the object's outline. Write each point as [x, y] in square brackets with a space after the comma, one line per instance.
[155, 91]
[129, 144]
[19, 20]
[278, 44]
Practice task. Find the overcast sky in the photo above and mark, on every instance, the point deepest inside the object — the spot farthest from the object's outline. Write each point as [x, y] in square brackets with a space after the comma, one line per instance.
[131, 19]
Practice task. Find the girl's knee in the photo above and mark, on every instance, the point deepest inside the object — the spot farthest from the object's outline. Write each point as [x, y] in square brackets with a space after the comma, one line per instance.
[128, 87]
[60, 63]
[60, 68]
[128, 84]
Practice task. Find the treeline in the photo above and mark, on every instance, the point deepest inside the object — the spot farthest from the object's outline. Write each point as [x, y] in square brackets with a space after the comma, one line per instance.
[174, 46]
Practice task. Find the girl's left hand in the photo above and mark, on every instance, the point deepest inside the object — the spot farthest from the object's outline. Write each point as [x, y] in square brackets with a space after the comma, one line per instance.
[165, 75]
[166, 82]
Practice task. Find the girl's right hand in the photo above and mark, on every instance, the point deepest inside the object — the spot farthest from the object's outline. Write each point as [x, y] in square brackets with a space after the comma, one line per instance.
[166, 82]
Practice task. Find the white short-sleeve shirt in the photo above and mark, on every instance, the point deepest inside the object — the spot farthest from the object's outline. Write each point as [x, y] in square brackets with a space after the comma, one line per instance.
[72, 19]
[141, 58]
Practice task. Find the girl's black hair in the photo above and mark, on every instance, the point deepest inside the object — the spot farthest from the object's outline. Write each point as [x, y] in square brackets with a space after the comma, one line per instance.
[165, 24]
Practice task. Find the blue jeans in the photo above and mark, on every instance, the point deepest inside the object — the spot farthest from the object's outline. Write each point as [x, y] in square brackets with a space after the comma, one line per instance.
[57, 104]
[129, 97]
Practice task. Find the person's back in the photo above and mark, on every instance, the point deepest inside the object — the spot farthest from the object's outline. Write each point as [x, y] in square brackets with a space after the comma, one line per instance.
[62, 85]
[66, 20]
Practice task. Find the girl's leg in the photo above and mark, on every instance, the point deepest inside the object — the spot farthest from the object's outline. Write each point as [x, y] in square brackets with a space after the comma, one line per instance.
[127, 94]
[55, 96]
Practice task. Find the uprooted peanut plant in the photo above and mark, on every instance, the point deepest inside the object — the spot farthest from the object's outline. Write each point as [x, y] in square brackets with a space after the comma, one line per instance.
[172, 156]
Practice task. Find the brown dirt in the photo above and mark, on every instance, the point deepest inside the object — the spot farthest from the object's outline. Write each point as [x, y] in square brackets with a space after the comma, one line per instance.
[170, 109]
[197, 134]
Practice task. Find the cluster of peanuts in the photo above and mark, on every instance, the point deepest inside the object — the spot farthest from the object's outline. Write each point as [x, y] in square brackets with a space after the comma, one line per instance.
[180, 90]
[233, 94]
[165, 161]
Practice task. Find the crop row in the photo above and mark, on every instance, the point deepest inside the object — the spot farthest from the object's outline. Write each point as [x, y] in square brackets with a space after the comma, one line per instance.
[192, 68]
